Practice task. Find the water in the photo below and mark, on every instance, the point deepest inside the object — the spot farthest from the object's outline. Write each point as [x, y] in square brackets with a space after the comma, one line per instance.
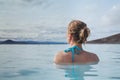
[35, 62]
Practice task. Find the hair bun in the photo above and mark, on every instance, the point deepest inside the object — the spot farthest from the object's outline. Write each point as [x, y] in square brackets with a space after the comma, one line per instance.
[79, 31]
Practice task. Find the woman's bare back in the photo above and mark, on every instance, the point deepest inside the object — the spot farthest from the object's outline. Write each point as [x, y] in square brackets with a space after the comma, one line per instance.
[83, 57]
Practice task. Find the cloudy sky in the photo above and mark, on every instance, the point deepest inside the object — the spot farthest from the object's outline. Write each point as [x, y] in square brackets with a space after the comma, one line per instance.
[48, 19]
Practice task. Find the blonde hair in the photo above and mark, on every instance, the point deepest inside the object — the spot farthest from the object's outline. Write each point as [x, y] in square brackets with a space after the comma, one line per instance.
[79, 31]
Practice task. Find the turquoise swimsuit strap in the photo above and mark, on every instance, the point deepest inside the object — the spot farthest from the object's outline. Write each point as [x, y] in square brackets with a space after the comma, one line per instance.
[72, 49]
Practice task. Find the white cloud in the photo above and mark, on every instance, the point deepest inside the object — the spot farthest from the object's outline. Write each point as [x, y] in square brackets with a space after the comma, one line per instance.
[112, 18]
[25, 2]
[48, 19]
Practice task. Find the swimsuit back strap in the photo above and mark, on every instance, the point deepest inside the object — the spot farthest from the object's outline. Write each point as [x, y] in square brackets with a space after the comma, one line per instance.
[73, 52]
[72, 49]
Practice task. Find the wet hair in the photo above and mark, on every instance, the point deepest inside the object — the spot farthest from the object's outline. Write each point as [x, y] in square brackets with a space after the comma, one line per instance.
[79, 31]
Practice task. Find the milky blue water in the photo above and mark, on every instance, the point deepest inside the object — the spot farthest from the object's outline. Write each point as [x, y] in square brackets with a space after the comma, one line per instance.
[35, 62]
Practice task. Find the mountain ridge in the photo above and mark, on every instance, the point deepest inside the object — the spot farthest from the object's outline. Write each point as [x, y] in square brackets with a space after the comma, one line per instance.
[113, 39]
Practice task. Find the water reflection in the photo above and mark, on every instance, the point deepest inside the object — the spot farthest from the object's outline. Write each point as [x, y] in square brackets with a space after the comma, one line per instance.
[78, 72]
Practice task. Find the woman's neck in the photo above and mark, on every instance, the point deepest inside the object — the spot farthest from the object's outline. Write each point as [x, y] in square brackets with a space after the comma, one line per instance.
[76, 44]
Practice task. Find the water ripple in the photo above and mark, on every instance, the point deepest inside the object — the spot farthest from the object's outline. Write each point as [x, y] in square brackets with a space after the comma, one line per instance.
[90, 75]
[24, 72]
[115, 58]
[115, 78]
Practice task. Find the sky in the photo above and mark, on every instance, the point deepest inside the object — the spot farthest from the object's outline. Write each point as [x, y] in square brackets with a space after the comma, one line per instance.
[48, 19]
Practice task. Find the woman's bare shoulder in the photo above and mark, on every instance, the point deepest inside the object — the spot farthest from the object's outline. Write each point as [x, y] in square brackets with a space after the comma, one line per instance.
[59, 57]
[63, 58]
[92, 55]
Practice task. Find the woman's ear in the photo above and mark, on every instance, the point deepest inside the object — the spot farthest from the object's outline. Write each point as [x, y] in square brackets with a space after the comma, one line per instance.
[69, 38]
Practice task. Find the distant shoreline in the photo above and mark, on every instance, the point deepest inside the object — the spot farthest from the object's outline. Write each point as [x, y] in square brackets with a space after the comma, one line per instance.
[113, 39]
[30, 42]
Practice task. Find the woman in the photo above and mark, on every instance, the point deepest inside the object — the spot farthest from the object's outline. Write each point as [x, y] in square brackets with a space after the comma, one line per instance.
[77, 34]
